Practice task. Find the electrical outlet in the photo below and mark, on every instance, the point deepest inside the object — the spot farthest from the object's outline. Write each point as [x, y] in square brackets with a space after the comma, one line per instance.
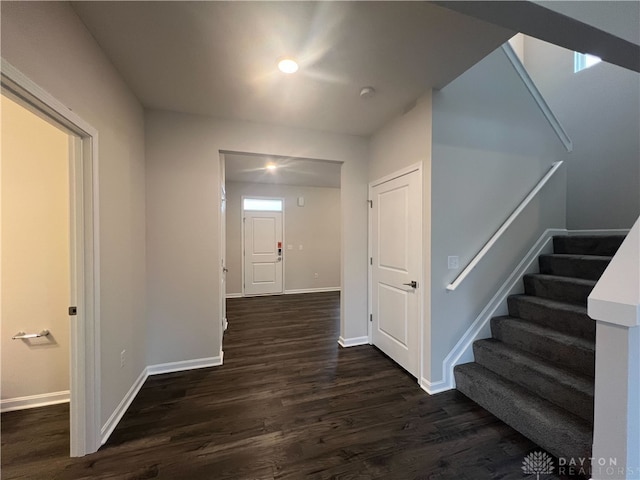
[315, 275]
[123, 358]
[299, 247]
[453, 262]
[289, 247]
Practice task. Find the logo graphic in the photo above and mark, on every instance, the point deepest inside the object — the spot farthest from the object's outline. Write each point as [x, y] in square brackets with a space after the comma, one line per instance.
[537, 463]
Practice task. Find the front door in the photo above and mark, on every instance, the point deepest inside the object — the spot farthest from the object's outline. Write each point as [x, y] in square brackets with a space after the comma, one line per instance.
[263, 252]
[396, 266]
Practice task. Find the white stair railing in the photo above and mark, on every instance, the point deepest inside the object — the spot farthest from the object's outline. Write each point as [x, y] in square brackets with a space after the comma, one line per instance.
[507, 223]
[537, 96]
[614, 304]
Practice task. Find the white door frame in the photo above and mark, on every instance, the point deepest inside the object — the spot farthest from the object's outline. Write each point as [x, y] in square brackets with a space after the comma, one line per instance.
[85, 267]
[222, 220]
[399, 173]
[242, 236]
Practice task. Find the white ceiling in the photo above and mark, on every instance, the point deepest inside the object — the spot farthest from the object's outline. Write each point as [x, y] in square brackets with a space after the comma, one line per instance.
[289, 171]
[219, 58]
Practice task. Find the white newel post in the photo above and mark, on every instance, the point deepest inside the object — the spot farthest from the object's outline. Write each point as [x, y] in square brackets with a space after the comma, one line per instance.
[615, 305]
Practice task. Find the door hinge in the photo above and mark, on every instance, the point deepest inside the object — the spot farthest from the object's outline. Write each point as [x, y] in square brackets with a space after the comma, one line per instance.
[370, 203]
[73, 311]
[370, 260]
[371, 317]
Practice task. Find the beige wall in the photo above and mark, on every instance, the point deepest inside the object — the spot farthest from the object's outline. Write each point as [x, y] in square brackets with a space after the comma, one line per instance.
[183, 258]
[316, 227]
[35, 253]
[402, 142]
[47, 42]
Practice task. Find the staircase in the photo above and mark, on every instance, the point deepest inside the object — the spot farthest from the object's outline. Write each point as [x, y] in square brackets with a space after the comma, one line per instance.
[536, 373]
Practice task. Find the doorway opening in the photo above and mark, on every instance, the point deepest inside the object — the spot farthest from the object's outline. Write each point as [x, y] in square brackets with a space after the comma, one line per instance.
[80, 308]
[304, 243]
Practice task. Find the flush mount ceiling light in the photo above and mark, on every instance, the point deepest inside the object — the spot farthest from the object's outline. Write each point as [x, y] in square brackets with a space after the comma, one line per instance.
[288, 65]
[271, 167]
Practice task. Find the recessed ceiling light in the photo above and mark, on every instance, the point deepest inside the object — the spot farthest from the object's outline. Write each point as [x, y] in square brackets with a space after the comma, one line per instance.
[288, 65]
[271, 167]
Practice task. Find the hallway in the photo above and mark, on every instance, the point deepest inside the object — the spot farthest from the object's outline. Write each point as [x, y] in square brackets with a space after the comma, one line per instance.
[288, 403]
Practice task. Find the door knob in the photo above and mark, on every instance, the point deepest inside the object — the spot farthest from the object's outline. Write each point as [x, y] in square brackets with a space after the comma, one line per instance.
[412, 284]
[225, 269]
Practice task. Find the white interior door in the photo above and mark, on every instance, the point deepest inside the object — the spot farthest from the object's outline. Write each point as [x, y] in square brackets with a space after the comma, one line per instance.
[396, 269]
[262, 252]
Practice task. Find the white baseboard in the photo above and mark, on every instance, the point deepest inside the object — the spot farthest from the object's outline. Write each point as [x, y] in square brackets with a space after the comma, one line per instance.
[293, 291]
[311, 290]
[462, 352]
[610, 231]
[185, 365]
[121, 409]
[353, 342]
[34, 401]
[435, 387]
[108, 428]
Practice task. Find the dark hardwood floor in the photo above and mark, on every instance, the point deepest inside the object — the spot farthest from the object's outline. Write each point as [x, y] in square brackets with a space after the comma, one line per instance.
[288, 403]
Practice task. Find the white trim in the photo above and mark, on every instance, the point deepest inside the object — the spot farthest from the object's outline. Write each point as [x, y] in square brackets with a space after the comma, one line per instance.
[353, 342]
[537, 96]
[603, 232]
[34, 401]
[108, 428]
[85, 327]
[507, 223]
[462, 352]
[433, 388]
[295, 291]
[397, 174]
[185, 365]
[110, 425]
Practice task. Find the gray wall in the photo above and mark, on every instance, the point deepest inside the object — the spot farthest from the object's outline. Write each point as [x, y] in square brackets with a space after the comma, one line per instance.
[48, 43]
[315, 226]
[619, 18]
[183, 252]
[491, 146]
[599, 108]
[402, 142]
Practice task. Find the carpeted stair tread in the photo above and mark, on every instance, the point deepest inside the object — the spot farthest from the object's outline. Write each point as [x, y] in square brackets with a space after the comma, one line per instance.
[570, 351]
[588, 244]
[554, 287]
[556, 430]
[564, 317]
[547, 380]
[589, 267]
[536, 373]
